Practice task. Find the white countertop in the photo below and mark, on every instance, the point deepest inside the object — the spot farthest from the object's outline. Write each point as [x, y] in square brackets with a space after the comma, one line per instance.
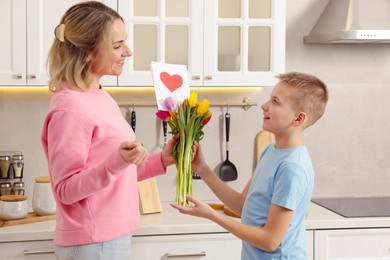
[171, 221]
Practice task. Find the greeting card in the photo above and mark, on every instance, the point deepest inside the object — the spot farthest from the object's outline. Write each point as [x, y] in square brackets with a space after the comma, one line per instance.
[170, 80]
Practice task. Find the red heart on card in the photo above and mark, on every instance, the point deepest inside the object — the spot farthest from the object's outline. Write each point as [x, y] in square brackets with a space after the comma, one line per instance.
[172, 82]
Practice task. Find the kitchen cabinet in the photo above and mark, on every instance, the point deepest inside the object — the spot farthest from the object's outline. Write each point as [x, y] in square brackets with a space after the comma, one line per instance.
[222, 43]
[352, 244]
[310, 244]
[27, 34]
[186, 246]
[31, 250]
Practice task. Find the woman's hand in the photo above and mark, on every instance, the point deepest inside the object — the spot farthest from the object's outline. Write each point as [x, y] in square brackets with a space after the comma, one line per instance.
[167, 153]
[133, 152]
[199, 208]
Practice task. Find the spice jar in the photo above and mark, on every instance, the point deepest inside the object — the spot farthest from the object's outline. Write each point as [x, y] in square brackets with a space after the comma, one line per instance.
[43, 200]
[5, 162]
[18, 164]
[18, 188]
[5, 188]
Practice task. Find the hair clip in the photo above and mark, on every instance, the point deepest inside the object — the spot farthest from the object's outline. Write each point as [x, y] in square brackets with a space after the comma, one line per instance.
[59, 32]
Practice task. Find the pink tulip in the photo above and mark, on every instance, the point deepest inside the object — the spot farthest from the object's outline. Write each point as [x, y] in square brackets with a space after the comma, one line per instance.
[163, 115]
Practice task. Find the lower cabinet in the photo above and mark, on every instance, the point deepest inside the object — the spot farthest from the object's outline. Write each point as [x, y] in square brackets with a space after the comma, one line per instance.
[29, 250]
[310, 244]
[193, 246]
[343, 244]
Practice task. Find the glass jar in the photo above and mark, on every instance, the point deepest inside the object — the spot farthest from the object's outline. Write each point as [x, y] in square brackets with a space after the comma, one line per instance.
[5, 188]
[5, 162]
[18, 164]
[18, 188]
[43, 199]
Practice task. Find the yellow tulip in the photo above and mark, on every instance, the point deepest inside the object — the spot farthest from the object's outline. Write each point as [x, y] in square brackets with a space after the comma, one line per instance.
[192, 99]
[203, 107]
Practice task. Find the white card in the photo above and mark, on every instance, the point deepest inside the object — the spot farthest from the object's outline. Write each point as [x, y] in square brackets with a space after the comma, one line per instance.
[170, 80]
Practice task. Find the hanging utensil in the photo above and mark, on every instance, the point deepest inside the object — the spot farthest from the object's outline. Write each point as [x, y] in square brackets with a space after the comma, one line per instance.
[133, 120]
[165, 130]
[227, 170]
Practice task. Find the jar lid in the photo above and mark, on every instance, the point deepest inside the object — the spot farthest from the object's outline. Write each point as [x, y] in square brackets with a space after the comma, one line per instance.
[42, 179]
[5, 157]
[17, 157]
[5, 185]
[13, 198]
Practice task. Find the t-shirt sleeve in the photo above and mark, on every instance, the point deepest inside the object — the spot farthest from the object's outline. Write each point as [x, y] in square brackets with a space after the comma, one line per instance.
[290, 186]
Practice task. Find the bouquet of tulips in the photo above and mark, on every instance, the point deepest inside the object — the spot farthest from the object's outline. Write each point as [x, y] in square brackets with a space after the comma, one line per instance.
[187, 119]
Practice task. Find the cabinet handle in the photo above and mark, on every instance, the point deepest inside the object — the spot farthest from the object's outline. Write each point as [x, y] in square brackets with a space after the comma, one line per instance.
[209, 77]
[169, 255]
[18, 76]
[27, 252]
[32, 76]
[196, 77]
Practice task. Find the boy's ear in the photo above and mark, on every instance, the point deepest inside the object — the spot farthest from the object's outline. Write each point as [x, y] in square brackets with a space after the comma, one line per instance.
[300, 119]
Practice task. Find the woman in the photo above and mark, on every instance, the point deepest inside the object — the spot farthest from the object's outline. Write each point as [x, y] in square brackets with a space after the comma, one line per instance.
[94, 158]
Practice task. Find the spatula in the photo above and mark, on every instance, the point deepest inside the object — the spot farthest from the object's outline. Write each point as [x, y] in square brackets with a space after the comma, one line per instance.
[227, 170]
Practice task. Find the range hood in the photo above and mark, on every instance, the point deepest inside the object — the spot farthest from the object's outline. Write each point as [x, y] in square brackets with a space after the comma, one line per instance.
[352, 21]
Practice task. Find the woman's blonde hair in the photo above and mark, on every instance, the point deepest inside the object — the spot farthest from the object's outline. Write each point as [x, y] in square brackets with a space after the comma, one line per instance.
[82, 29]
[309, 94]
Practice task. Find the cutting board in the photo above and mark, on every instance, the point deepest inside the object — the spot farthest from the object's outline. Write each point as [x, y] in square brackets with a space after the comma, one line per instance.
[149, 198]
[263, 138]
[30, 218]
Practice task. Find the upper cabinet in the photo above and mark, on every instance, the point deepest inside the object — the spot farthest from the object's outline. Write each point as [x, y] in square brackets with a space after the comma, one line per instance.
[222, 42]
[27, 34]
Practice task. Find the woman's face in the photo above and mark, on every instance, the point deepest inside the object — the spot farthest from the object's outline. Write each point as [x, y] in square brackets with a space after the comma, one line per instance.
[110, 61]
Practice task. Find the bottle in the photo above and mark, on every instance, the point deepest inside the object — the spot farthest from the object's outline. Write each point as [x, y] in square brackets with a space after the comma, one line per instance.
[18, 188]
[5, 162]
[18, 165]
[5, 188]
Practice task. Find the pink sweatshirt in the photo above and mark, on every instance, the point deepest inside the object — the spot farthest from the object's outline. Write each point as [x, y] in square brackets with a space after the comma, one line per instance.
[94, 187]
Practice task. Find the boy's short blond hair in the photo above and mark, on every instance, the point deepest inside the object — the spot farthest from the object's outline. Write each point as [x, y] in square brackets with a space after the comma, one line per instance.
[309, 94]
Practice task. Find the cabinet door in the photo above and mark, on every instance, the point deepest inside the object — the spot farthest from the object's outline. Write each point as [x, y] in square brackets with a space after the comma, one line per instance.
[203, 246]
[163, 31]
[12, 42]
[352, 244]
[42, 18]
[244, 42]
[31, 250]
[310, 244]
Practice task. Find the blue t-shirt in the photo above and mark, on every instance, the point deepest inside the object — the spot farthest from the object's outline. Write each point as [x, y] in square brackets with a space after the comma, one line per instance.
[284, 177]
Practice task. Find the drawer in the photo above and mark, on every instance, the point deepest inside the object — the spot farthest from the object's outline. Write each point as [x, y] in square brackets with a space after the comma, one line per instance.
[177, 247]
[29, 250]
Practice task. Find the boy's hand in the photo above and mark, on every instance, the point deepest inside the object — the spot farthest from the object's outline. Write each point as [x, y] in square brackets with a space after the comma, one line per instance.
[133, 152]
[199, 208]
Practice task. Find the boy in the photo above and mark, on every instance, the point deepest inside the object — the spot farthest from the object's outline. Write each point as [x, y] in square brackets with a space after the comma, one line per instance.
[276, 199]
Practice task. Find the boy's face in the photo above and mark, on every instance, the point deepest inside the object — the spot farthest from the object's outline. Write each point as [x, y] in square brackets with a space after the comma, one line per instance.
[278, 113]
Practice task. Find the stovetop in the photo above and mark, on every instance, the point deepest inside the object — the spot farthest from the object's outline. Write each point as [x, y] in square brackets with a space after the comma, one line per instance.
[351, 207]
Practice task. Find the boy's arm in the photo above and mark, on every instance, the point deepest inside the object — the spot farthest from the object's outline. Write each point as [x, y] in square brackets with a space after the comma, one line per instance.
[267, 238]
[230, 197]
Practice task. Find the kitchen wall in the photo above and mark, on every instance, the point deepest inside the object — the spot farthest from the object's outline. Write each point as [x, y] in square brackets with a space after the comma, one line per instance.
[349, 145]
